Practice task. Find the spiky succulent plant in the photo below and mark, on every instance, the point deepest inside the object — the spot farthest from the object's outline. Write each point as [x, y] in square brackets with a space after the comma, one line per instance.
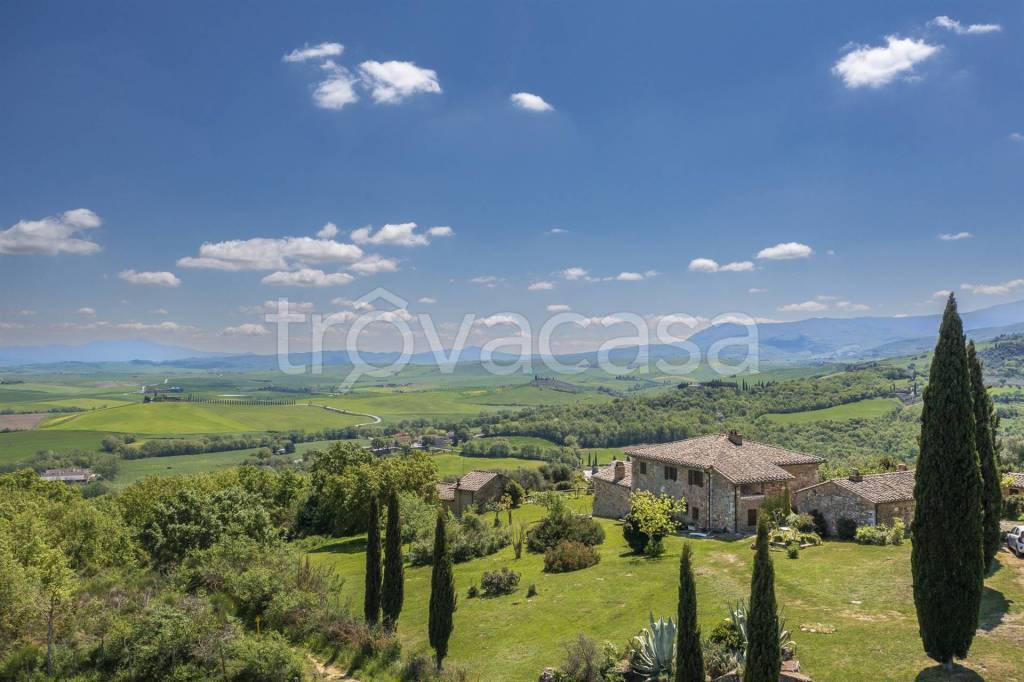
[654, 649]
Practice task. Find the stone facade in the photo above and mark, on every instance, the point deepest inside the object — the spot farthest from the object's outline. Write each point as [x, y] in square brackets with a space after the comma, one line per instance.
[886, 512]
[835, 503]
[611, 500]
[867, 500]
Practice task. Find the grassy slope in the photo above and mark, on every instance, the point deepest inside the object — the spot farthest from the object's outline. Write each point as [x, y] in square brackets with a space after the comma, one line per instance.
[21, 445]
[456, 465]
[862, 409]
[512, 638]
[171, 418]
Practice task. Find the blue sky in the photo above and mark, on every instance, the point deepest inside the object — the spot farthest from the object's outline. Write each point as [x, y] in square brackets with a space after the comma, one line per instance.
[856, 134]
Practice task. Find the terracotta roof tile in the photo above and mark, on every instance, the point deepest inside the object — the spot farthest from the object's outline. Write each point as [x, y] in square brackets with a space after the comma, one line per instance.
[607, 473]
[895, 486]
[1017, 480]
[750, 462]
[475, 480]
[446, 491]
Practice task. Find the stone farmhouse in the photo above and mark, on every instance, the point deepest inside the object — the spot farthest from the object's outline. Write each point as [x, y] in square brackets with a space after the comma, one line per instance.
[473, 490]
[867, 500]
[1016, 486]
[724, 478]
[68, 475]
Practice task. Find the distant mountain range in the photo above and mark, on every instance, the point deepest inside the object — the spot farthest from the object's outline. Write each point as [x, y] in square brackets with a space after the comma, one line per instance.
[819, 339]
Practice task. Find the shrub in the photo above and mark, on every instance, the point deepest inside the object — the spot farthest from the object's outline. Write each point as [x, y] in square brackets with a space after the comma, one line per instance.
[719, 659]
[793, 552]
[846, 528]
[531, 591]
[820, 525]
[585, 662]
[474, 592]
[649, 520]
[872, 535]
[802, 522]
[515, 493]
[494, 583]
[569, 555]
[558, 526]
[897, 531]
[469, 538]
[727, 636]
[635, 538]
[564, 485]
[1013, 507]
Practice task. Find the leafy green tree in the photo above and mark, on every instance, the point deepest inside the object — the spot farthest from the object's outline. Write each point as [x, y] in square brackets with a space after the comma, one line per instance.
[764, 655]
[947, 559]
[393, 592]
[371, 598]
[650, 520]
[442, 593]
[689, 655]
[985, 437]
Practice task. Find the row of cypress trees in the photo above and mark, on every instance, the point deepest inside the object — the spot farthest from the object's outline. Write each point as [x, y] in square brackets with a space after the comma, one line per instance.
[957, 496]
[385, 589]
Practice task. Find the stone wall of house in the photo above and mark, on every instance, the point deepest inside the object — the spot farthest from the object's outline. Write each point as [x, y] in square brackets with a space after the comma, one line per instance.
[611, 500]
[887, 511]
[835, 503]
[806, 475]
[720, 491]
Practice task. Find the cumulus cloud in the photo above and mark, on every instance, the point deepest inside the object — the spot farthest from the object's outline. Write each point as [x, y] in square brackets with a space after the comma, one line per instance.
[489, 281]
[427, 300]
[955, 236]
[393, 81]
[573, 273]
[498, 319]
[994, 289]
[958, 28]
[158, 279]
[441, 231]
[629, 277]
[873, 67]
[374, 264]
[158, 327]
[805, 307]
[709, 265]
[402, 234]
[338, 88]
[852, 307]
[320, 51]
[530, 102]
[248, 329]
[87, 311]
[362, 306]
[558, 308]
[270, 254]
[307, 277]
[785, 251]
[328, 231]
[52, 235]
[541, 286]
[755, 290]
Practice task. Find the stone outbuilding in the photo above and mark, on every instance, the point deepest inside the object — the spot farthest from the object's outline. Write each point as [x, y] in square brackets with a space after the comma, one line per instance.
[868, 500]
[723, 477]
[612, 488]
[473, 490]
[1016, 486]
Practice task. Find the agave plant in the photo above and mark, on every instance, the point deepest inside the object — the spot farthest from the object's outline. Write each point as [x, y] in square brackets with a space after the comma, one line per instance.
[654, 649]
[739, 621]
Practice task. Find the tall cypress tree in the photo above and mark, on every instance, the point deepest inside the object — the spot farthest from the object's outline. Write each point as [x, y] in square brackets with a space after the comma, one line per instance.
[371, 600]
[947, 558]
[442, 593]
[689, 655]
[764, 655]
[985, 437]
[394, 573]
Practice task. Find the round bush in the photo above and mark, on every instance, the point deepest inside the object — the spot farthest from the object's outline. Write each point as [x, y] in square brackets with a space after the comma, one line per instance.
[569, 555]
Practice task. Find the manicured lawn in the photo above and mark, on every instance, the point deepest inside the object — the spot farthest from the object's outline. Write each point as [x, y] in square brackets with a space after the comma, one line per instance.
[862, 409]
[863, 592]
[174, 418]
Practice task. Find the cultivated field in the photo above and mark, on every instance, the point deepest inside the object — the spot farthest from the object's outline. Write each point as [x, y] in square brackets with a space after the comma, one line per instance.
[20, 422]
[862, 409]
[863, 592]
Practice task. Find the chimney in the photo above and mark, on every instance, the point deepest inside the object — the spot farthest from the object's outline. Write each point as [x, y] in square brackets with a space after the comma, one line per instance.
[855, 476]
[620, 470]
[901, 467]
[735, 437]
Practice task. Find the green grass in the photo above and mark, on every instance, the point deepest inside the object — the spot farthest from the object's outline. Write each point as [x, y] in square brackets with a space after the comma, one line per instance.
[21, 445]
[862, 409]
[134, 469]
[864, 592]
[176, 418]
[457, 465]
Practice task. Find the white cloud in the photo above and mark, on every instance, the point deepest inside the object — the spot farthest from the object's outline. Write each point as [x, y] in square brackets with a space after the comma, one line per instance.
[755, 290]
[427, 300]
[308, 277]
[328, 231]
[573, 273]
[337, 89]
[489, 281]
[158, 327]
[320, 51]
[391, 82]
[558, 308]
[852, 307]
[247, 329]
[805, 307]
[441, 231]
[629, 277]
[785, 251]
[52, 235]
[1017, 137]
[11, 325]
[362, 306]
[374, 264]
[158, 311]
[495, 320]
[958, 28]
[954, 237]
[270, 254]
[159, 279]
[530, 102]
[873, 67]
[994, 289]
[941, 293]
[271, 306]
[87, 311]
[556, 230]
[709, 265]
[541, 286]
[402, 234]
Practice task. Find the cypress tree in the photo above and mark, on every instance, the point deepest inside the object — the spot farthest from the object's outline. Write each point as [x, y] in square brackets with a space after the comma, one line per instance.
[371, 600]
[947, 557]
[442, 593]
[764, 655]
[985, 437]
[394, 573]
[689, 655]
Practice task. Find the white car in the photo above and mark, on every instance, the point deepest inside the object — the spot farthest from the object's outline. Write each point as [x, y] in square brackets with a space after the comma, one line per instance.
[1015, 540]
